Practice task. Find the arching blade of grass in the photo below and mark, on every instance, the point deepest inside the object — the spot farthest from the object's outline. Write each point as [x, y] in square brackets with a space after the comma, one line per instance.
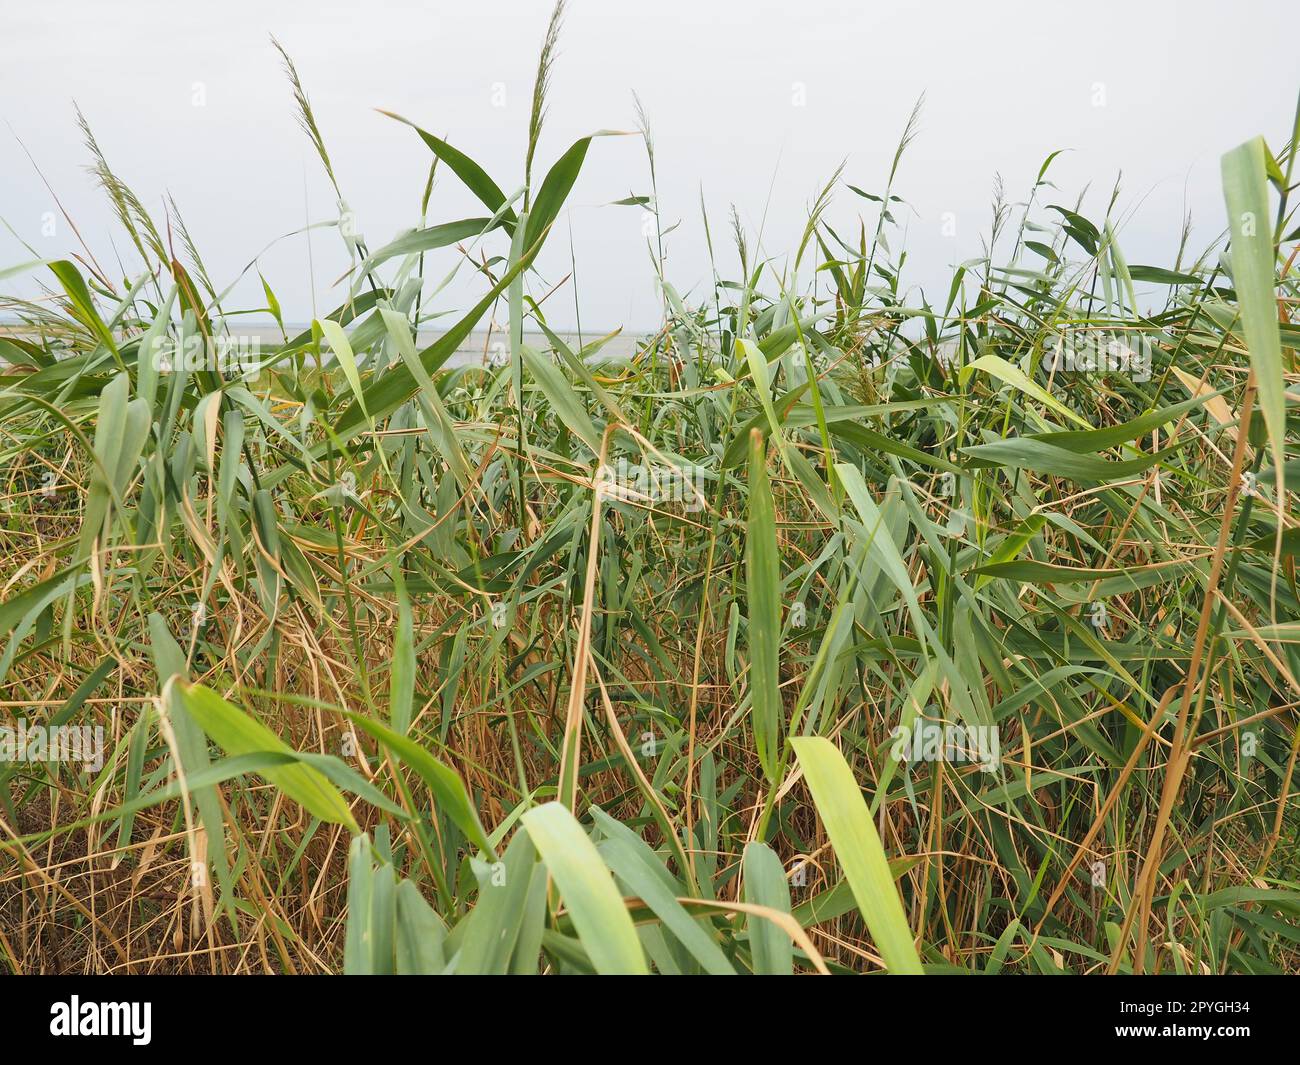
[998, 367]
[427, 239]
[444, 782]
[238, 733]
[554, 191]
[83, 306]
[636, 865]
[1245, 190]
[474, 176]
[857, 846]
[588, 891]
[342, 348]
[563, 399]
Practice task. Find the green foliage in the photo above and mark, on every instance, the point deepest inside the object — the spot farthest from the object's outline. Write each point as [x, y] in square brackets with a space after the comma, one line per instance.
[341, 602]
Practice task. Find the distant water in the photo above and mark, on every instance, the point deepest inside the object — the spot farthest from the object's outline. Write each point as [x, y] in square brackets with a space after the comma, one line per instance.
[495, 344]
[475, 346]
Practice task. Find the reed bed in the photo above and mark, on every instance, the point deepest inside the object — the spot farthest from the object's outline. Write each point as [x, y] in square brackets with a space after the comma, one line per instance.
[831, 631]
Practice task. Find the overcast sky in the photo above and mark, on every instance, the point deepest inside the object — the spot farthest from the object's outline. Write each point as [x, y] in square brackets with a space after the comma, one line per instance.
[753, 102]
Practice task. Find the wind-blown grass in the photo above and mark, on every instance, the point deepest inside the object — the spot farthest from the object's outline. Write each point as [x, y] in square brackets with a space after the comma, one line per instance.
[400, 671]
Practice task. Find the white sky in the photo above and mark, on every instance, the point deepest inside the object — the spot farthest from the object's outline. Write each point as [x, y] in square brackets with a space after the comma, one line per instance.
[1005, 84]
